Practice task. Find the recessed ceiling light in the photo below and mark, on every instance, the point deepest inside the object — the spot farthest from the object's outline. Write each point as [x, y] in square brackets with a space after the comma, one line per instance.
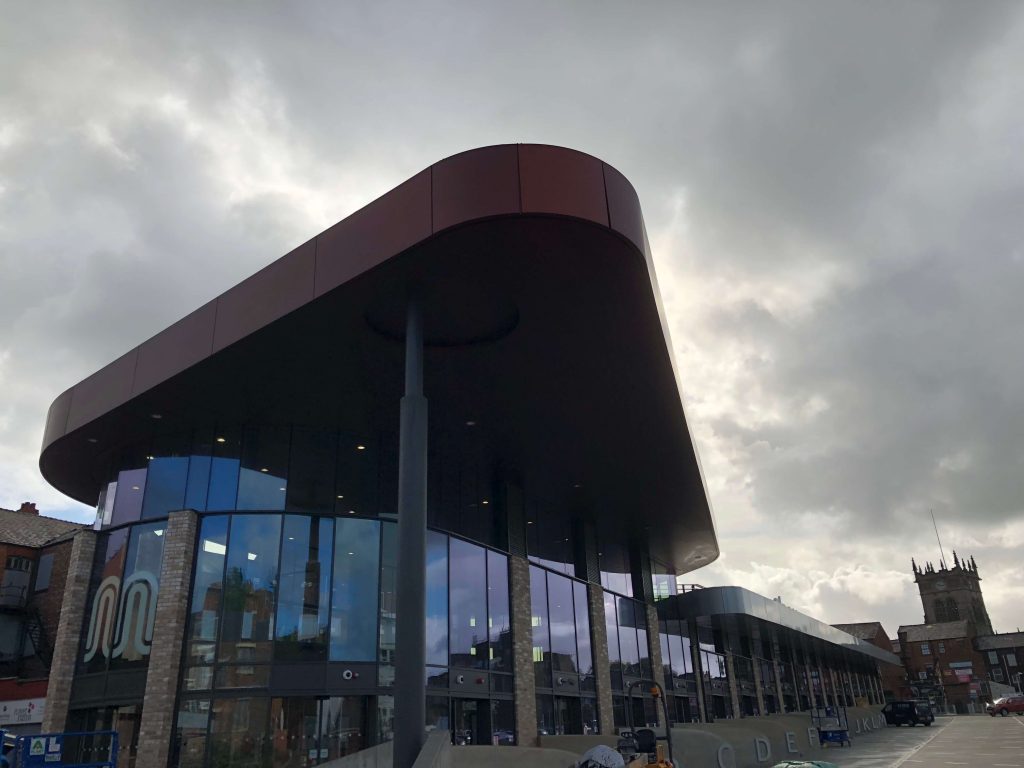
[221, 440]
[360, 447]
[351, 553]
[252, 555]
[156, 415]
[470, 423]
[529, 522]
[577, 485]
[485, 501]
[291, 538]
[91, 440]
[150, 458]
[351, 511]
[340, 496]
[280, 489]
[135, 487]
[264, 469]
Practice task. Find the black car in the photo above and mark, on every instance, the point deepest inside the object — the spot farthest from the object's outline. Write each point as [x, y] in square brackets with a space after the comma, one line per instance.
[908, 713]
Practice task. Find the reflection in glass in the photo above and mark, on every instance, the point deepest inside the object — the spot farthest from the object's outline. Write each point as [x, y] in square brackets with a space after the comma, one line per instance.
[355, 590]
[468, 606]
[388, 599]
[165, 486]
[209, 578]
[223, 492]
[628, 646]
[261, 480]
[238, 732]
[249, 586]
[131, 484]
[98, 640]
[137, 602]
[611, 625]
[190, 735]
[562, 623]
[586, 658]
[437, 598]
[498, 622]
[303, 597]
[616, 575]
[541, 633]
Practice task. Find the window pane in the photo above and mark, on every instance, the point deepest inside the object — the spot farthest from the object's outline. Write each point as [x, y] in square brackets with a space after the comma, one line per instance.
[437, 598]
[628, 646]
[354, 600]
[586, 659]
[562, 619]
[128, 499]
[165, 486]
[209, 578]
[468, 607]
[497, 612]
[388, 602]
[99, 640]
[295, 721]
[304, 592]
[249, 585]
[139, 589]
[238, 732]
[227, 447]
[190, 741]
[311, 471]
[261, 480]
[541, 632]
[44, 572]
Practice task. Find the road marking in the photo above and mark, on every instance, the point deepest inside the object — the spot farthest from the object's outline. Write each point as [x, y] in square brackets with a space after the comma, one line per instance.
[919, 747]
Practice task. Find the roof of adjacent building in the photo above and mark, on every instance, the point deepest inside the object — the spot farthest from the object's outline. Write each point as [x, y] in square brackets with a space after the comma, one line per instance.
[865, 630]
[1004, 640]
[718, 601]
[946, 630]
[25, 529]
[541, 317]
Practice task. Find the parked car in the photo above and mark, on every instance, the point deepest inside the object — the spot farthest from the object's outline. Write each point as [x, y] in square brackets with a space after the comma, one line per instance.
[908, 713]
[1004, 705]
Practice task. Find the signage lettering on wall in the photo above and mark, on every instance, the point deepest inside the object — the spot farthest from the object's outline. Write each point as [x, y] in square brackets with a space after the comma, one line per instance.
[116, 627]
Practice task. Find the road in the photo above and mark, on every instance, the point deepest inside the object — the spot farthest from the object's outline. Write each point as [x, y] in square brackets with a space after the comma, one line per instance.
[976, 741]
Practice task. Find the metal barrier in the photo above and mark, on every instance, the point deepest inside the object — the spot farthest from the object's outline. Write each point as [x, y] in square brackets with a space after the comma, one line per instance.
[72, 749]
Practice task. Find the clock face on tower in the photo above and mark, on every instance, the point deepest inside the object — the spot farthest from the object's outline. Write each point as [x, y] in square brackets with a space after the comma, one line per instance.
[940, 585]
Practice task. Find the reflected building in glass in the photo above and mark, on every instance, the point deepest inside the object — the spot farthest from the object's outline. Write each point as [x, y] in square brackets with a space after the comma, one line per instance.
[243, 574]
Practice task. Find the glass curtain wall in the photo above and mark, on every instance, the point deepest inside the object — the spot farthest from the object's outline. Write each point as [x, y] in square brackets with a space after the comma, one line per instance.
[562, 654]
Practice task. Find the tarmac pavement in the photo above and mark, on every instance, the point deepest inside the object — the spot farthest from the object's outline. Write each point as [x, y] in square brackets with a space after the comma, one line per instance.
[977, 741]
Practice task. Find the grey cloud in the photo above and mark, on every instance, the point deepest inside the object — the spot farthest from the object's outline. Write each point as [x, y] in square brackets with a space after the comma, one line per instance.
[153, 155]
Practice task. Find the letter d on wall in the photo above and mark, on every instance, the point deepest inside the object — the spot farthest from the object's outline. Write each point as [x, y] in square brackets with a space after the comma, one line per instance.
[762, 749]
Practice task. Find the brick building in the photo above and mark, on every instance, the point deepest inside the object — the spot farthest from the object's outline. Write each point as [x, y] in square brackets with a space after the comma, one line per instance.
[943, 664]
[1004, 658]
[34, 555]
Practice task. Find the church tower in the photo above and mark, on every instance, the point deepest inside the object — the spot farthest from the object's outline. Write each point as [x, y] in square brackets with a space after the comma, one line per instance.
[952, 594]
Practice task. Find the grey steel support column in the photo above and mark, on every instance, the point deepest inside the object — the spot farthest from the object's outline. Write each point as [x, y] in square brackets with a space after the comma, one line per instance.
[410, 614]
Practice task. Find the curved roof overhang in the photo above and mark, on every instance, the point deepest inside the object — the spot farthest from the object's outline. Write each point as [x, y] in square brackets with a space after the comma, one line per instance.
[542, 317]
[737, 601]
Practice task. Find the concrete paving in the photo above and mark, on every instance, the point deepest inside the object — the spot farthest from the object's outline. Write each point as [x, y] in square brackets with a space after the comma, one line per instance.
[976, 741]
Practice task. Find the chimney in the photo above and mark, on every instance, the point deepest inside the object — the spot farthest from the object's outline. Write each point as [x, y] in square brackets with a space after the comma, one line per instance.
[28, 508]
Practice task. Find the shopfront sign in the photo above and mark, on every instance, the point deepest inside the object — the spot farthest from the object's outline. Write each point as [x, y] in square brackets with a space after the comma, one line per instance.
[22, 711]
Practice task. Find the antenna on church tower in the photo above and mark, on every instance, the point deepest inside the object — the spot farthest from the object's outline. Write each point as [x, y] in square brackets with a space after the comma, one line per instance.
[942, 554]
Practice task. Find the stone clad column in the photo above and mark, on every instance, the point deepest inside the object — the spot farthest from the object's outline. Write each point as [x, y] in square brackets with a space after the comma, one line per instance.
[703, 705]
[165, 656]
[69, 631]
[522, 652]
[734, 687]
[654, 641]
[602, 665]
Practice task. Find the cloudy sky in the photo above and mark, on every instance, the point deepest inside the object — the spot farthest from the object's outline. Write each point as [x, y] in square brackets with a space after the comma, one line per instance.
[834, 192]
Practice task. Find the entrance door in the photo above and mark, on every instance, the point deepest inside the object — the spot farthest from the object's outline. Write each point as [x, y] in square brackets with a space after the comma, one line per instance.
[471, 721]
